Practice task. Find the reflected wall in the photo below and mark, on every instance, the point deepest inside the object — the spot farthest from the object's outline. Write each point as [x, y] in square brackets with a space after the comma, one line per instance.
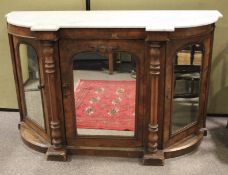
[31, 84]
[186, 82]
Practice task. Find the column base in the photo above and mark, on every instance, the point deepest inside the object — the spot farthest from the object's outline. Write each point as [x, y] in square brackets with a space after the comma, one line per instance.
[56, 155]
[156, 159]
[204, 131]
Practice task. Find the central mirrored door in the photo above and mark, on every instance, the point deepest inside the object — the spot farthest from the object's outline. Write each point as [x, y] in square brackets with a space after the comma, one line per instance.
[101, 85]
[104, 93]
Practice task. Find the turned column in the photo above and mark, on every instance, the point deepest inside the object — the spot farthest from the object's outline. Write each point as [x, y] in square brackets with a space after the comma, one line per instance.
[56, 150]
[153, 55]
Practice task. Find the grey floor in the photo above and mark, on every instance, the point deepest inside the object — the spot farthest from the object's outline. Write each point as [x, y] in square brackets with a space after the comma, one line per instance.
[211, 158]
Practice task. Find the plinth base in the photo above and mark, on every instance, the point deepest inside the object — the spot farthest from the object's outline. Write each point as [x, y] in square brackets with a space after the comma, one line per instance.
[156, 159]
[36, 142]
[56, 155]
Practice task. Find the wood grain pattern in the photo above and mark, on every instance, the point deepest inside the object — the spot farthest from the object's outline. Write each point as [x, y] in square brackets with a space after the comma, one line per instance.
[154, 53]
[48, 51]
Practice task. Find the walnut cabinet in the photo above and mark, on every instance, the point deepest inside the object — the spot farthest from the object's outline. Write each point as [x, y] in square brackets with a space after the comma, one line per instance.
[164, 106]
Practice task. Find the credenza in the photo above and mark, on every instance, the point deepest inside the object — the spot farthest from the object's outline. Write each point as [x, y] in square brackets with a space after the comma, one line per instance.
[112, 83]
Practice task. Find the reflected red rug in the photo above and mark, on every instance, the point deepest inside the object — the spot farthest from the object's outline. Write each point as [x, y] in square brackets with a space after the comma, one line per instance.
[104, 104]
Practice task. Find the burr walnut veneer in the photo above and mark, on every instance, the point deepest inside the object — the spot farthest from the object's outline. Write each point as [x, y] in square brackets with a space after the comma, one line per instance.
[170, 49]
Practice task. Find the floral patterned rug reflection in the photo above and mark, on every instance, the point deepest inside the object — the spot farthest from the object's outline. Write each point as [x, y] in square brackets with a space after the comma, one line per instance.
[104, 104]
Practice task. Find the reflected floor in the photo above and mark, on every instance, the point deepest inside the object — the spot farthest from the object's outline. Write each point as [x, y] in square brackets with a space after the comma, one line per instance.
[100, 75]
[105, 132]
[33, 102]
[186, 111]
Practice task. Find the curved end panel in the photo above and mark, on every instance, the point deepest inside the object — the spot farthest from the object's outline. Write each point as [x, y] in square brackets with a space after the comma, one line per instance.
[183, 147]
[32, 139]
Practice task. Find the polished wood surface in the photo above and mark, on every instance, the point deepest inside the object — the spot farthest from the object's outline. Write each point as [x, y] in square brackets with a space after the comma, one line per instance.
[154, 53]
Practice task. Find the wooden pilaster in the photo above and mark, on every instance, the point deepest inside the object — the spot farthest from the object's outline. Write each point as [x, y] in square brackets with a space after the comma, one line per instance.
[56, 151]
[152, 154]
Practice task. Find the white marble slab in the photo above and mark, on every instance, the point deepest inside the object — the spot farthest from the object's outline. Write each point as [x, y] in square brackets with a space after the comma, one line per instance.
[162, 20]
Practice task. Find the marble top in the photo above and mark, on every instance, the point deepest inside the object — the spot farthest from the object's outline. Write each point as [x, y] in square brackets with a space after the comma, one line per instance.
[151, 20]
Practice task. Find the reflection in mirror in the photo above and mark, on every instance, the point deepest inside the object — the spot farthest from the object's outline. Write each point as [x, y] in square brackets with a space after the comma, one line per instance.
[104, 92]
[30, 76]
[187, 67]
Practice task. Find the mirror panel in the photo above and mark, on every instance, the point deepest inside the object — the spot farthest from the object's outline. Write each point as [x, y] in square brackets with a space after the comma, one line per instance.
[186, 82]
[31, 84]
[104, 93]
